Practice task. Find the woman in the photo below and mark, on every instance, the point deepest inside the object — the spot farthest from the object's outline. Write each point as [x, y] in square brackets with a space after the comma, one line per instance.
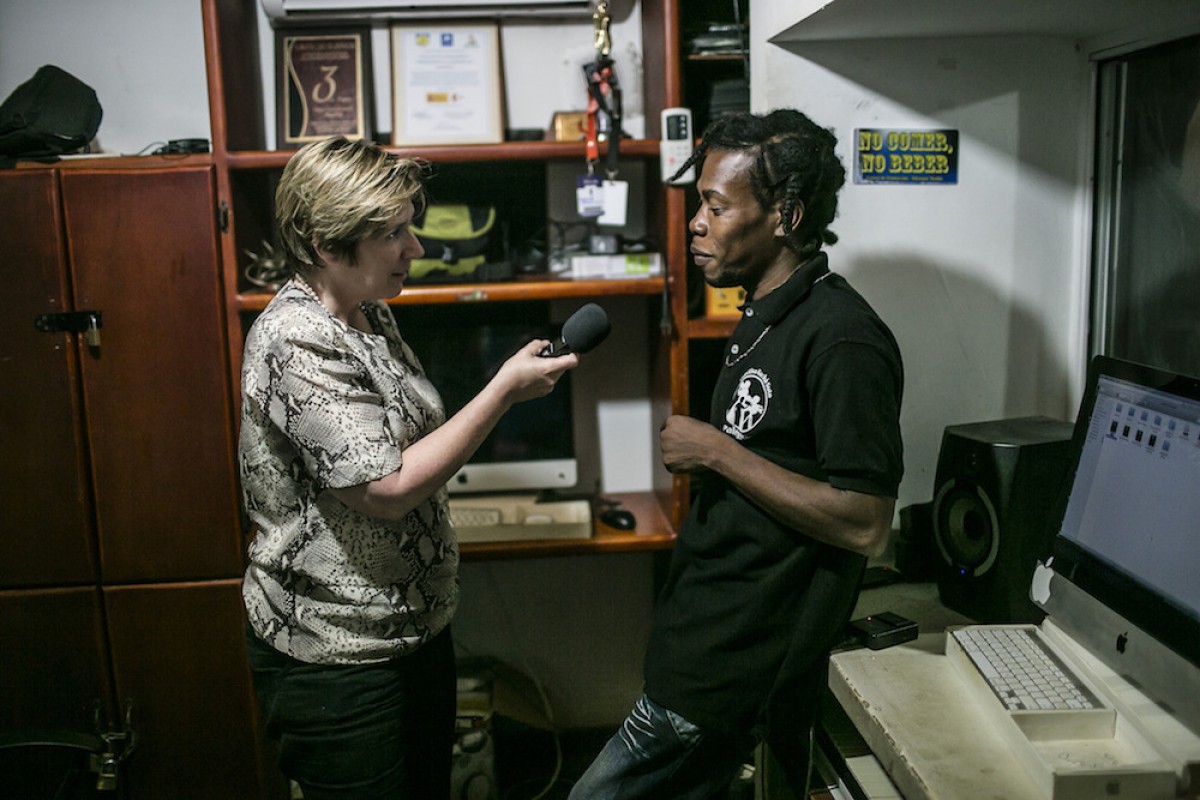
[345, 452]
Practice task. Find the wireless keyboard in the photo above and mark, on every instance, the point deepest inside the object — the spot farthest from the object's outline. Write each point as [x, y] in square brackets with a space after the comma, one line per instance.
[473, 516]
[1021, 670]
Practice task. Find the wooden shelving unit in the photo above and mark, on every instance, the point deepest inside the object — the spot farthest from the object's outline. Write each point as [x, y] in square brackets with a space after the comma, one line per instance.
[245, 168]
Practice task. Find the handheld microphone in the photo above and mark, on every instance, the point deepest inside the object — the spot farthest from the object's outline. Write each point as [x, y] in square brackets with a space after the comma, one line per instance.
[582, 331]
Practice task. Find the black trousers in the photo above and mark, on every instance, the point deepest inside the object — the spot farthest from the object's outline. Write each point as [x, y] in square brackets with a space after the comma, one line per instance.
[361, 732]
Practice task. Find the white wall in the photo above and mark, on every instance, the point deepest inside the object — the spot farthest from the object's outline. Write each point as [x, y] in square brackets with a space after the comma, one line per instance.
[983, 282]
[144, 58]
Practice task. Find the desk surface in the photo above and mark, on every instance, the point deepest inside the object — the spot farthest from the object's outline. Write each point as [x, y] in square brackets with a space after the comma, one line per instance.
[901, 701]
[917, 601]
[904, 701]
[926, 728]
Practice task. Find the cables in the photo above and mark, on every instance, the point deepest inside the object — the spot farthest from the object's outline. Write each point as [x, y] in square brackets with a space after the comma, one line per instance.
[523, 670]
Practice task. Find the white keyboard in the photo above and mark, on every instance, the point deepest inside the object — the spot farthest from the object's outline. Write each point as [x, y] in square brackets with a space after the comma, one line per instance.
[1021, 670]
[473, 516]
[515, 518]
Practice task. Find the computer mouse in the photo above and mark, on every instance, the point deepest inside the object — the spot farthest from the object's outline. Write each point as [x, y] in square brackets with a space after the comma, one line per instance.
[619, 518]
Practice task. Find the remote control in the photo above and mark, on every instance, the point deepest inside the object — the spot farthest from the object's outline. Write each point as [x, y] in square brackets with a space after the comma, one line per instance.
[676, 145]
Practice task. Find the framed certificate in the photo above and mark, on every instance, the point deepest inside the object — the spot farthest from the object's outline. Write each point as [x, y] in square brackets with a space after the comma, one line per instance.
[324, 85]
[447, 86]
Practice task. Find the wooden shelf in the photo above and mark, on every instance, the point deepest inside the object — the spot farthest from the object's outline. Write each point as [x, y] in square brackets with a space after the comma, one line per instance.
[711, 327]
[505, 151]
[245, 173]
[501, 291]
[125, 162]
[654, 532]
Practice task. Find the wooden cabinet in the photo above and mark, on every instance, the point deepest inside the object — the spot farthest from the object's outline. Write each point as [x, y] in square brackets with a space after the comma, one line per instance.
[119, 587]
[143, 246]
[179, 657]
[46, 512]
[54, 660]
[118, 459]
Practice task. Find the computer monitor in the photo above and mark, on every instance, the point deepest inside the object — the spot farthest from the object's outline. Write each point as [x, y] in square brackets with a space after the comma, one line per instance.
[1130, 520]
[461, 346]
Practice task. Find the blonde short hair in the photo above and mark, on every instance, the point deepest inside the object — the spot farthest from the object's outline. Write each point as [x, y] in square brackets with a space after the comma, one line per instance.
[338, 192]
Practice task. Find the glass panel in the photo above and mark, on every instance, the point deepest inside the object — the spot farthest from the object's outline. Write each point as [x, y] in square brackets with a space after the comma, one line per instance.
[1146, 304]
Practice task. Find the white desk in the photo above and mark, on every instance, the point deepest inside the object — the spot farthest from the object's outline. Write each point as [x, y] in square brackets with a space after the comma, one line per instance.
[900, 700]
[905, 702]
[927, 731]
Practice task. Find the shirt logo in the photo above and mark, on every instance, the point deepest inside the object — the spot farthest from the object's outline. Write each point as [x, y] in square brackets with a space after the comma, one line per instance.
[749, 404]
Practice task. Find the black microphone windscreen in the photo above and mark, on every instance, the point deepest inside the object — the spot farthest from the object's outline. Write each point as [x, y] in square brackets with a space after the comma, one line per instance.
[586, 328]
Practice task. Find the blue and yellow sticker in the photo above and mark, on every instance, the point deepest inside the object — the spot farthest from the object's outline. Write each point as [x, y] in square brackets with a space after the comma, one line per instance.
[905, 156]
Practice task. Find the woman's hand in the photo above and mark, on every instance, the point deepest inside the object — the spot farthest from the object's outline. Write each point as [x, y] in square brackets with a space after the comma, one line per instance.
[430, 462]
[527, 375]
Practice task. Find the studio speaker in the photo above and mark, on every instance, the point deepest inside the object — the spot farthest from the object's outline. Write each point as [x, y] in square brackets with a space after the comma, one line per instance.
[996, 487]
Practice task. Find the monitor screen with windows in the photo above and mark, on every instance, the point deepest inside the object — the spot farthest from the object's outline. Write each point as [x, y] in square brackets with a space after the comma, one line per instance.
[1130, 532]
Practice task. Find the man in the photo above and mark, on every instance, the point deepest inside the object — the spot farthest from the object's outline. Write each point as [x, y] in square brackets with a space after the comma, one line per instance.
[795, 478]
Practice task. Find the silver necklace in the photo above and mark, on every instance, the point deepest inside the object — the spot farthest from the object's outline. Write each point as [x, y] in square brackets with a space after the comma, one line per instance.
[729, 362]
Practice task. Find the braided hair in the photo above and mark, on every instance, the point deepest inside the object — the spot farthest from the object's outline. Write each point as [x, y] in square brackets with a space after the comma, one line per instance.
[795, 165]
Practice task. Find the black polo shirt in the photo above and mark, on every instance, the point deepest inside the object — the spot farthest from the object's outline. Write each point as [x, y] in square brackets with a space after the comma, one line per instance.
[812, 380]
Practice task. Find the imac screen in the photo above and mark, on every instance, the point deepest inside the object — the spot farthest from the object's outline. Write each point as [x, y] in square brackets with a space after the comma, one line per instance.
[461, 347]
[1129, 527]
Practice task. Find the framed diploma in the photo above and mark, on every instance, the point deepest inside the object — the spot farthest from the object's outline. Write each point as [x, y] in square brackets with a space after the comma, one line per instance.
[447, 86]
[324, 85]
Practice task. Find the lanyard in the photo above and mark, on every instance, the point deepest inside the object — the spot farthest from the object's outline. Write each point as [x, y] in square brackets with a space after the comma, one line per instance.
[604, 97]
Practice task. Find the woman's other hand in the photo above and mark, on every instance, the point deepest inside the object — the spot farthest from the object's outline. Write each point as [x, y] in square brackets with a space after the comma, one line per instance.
[527, 375]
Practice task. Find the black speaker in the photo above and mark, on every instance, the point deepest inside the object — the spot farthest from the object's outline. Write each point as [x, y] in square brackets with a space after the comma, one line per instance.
[996, 486]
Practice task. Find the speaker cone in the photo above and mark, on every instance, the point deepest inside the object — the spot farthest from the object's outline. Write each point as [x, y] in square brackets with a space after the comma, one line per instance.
[966, 527]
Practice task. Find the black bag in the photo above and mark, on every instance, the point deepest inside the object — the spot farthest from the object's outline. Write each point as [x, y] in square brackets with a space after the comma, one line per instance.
[50, 114]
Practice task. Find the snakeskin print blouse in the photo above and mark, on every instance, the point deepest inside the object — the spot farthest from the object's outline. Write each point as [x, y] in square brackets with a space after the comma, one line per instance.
[327, 406]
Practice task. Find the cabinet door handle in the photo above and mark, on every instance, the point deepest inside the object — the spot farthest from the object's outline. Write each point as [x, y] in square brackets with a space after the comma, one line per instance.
[86, 322]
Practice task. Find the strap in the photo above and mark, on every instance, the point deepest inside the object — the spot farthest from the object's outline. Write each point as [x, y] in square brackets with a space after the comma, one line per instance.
[604, 96]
